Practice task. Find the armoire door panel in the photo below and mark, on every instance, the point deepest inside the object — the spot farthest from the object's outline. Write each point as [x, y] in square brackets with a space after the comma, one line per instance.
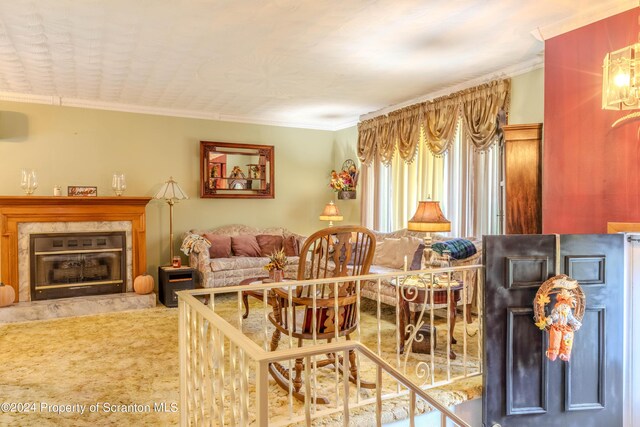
[523, 178]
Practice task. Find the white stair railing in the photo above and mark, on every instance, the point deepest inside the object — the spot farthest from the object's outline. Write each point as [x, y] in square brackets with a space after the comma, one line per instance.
[224, 363]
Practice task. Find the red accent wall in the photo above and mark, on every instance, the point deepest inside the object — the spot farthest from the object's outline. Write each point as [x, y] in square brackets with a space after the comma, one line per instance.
[591, 172]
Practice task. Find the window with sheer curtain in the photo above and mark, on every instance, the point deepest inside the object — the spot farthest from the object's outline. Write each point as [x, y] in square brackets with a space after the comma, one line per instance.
[464, 180]
[447, 149]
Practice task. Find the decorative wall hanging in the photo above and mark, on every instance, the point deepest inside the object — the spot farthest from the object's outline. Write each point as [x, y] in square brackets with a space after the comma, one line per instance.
[565, 317]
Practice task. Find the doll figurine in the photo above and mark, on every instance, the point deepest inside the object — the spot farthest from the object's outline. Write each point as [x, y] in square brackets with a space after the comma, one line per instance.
[562, 326]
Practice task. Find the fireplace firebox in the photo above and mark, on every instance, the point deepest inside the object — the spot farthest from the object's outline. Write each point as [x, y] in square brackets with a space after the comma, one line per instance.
[66, 265]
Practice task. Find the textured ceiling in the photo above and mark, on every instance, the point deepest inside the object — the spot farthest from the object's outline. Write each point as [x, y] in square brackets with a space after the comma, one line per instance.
[318, 64]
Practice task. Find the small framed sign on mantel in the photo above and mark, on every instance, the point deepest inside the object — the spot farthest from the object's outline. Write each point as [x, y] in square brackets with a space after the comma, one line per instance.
[82, 191]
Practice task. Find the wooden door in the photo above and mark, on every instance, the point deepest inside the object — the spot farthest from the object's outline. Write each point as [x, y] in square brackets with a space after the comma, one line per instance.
[521, 386]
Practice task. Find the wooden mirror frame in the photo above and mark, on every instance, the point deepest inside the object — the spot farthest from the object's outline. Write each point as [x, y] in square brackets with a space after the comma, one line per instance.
[219, 181]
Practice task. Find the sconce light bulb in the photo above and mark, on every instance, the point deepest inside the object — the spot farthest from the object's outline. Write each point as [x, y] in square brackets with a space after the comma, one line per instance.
[622, 79]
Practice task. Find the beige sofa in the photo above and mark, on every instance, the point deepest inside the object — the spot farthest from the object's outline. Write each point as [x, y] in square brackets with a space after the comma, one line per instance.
[233, 269]
[427, 258]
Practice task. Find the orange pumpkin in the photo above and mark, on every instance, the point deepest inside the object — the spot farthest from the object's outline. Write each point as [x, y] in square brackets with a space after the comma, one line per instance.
[143, 284]
[7, 295]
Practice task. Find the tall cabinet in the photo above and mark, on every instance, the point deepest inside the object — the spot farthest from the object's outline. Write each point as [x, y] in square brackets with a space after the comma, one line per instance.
[523, 179]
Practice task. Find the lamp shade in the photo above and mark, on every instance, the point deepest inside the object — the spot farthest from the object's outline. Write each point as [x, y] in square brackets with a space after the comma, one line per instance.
[429, 218]
[171, 191]
[330, 213]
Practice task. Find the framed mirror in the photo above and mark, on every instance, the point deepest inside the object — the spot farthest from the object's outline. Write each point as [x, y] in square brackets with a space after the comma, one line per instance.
[236, 171]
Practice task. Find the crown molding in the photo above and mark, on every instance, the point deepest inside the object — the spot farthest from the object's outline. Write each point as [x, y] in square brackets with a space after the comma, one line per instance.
[190, 114]
[510, 71]
[582, 18]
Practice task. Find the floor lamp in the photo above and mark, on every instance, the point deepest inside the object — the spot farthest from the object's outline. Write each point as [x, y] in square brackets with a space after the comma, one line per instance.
[171, 193]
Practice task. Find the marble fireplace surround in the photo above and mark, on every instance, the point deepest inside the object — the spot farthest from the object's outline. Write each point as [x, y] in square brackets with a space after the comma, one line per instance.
[22, 215]
[28, 228]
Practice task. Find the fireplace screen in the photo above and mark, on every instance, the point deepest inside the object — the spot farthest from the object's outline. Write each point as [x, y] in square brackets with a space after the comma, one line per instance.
[77, 264]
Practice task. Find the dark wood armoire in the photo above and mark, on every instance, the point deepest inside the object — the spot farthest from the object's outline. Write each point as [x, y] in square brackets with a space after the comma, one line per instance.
[523, 179]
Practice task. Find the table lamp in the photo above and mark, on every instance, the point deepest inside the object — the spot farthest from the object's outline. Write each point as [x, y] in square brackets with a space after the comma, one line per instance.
[429, 218]
[331, 213]
[171, 192]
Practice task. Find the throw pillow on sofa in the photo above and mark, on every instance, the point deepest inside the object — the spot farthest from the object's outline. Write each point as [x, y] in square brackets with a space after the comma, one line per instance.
[459, 248]
[291, 247]
[269, 243]
[220, 245]
[245, 245]
[391, 252]
[416, 262]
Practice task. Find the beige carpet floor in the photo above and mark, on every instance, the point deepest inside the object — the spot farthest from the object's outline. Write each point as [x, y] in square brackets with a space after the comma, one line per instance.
[121, 369]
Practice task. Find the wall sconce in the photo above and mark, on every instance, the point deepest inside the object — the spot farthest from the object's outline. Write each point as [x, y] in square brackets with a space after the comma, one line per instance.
[620, 81]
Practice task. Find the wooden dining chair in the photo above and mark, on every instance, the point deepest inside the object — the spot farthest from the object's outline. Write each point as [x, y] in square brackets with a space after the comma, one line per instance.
[332, 252]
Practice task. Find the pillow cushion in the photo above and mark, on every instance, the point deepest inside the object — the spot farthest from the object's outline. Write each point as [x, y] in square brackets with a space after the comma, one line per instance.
[416, 262]
[391, 252]
[290, 244]
[245, 245]
[220, 245]
[269, 243]
[459, 248]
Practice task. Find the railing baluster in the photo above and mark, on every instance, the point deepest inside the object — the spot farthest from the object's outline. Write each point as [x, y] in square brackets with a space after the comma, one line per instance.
[432, 334]
[307, 390]
[262, 394]
[265, 313]
[233, 374]
[357, 356]
[412, 408]
[314, 320]
[379, 316]
[400, 334]
[465, 314]
[182, 352]
[201, 365]
[244, 389]
[379, 396]
[213, 373]
[345, 379]
[221, 379]
[291, 327]
[336, 320]
[449, 326]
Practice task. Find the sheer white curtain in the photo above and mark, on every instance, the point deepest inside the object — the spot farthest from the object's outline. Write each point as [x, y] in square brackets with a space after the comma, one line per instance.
[471, 189]
[391, 193]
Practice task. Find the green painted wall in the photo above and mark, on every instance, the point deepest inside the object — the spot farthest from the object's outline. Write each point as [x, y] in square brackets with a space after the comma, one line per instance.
[527, 98]
[75, 146]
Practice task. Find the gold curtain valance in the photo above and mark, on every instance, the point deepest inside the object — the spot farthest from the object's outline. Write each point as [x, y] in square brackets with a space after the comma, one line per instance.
[479, 107]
